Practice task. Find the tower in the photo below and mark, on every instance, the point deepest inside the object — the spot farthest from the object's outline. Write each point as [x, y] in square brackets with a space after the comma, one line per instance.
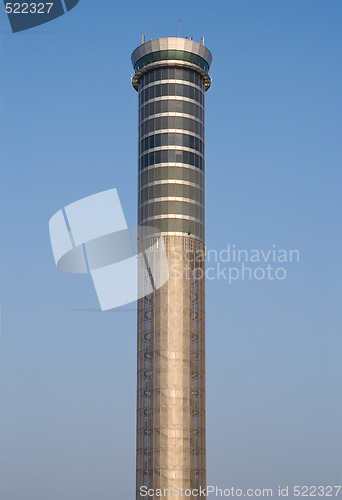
[171, 77]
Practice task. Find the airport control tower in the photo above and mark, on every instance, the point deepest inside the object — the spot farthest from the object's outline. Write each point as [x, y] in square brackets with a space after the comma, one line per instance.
[171, 76]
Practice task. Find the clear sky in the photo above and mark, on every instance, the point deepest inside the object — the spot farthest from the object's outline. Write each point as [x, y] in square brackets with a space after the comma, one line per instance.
[69, 129]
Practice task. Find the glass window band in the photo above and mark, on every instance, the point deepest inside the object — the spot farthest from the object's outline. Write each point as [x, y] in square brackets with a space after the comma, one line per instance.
[171, 89]
[171, 73]
[172, 106]
[171, 122]
[171, 139]
[167, 55]
[183, 173]
[171, 156]
[171, 207]
[171, 190]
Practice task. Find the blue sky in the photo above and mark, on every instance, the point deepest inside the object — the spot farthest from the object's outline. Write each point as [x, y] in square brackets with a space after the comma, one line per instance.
[68, 117]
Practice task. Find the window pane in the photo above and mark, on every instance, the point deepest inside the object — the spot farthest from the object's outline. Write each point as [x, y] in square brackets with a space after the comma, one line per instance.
[164, 141]
[172, 88]
[164, 106]
[157, 74]
[179, 157]
[158, 157]
[157, 107]
[179, 74]
[157, 123]
[157, 140]
[186, 91]
[172, 122]
[158, 90]
[164, 122]
[164, 73]
[171, 189]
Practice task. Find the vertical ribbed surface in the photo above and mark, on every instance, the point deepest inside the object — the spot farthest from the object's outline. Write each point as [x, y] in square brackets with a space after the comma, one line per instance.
[171, 374]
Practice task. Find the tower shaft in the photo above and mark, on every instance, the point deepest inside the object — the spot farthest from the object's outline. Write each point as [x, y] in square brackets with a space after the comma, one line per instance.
[171, 76]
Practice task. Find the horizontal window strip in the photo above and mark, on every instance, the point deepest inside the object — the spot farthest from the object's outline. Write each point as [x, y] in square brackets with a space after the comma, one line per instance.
[166, 172]
[171, 122]
[171, 147]
[171, 216]
[172, 104]
[164, 55]
[172, 192]
[171, 131]
[171, 182]
[171, 98]
[171, 90]
[143, 87]
[177, 140]
[176, 208]
[170, 114]
[171, 156]
[172, 73]
[171, 198]
[184, 108]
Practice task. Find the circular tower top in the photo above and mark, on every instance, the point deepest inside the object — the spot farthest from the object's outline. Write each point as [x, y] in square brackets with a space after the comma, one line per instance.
[173, 51]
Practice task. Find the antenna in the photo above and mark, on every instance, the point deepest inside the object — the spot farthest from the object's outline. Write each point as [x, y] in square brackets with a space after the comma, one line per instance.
[202, 40]
[142, 38]
[179, 28]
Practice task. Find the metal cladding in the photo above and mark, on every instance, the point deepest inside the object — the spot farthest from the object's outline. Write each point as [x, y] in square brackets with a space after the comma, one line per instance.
[171, 76]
